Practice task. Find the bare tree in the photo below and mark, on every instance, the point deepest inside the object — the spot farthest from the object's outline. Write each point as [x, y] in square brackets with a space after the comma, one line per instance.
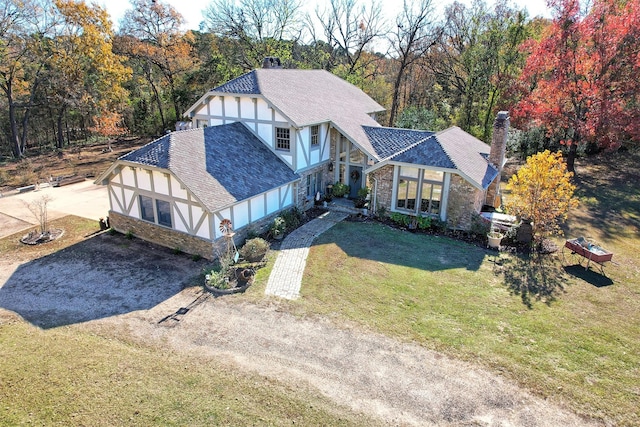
[415, 33]
[38, 208]
[349, 28]
[259, 26]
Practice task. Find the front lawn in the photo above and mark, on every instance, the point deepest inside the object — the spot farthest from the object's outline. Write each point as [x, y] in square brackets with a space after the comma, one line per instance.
[565, 333]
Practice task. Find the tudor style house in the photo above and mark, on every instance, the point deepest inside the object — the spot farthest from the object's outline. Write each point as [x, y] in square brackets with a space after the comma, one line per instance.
[272, 139]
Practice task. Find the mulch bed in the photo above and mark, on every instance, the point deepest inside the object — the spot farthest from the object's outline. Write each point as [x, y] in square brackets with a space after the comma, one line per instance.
[508, 244]
[37, 238]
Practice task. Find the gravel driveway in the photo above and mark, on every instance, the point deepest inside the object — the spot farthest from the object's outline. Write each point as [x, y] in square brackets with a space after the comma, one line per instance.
[129, 287]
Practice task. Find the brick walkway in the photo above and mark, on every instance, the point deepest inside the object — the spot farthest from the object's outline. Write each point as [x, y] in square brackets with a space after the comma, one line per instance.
[286, 276]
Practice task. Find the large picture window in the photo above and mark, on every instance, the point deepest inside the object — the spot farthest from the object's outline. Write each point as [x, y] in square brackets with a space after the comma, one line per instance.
[419, 190]
[283, 141]
[164, 213]
[146, 209]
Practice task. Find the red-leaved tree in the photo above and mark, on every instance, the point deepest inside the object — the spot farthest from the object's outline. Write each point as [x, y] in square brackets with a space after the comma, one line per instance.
[581, 78]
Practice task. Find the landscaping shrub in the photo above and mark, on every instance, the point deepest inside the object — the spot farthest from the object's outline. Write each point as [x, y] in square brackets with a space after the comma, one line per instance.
[438, 225]
[479, 226]
[400, 219]
[292, 218]
[218, 276]
[423, 222]
[254, 250]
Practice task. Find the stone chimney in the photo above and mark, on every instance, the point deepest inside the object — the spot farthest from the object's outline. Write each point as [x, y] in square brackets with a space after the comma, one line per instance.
[496, 155]
[271, 62]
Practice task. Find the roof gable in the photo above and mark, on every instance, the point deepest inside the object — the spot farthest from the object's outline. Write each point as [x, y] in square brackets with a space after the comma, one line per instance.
[308, 97]
[452, 149]
[220, 165]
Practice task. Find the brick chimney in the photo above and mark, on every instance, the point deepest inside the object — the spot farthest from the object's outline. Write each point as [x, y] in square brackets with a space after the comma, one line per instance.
[496, 155]
[271, 62]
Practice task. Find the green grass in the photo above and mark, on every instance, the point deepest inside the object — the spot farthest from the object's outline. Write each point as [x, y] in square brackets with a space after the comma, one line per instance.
[75, 229]
[570, 335]
[552, 332]
[564, 333]
[66, 376]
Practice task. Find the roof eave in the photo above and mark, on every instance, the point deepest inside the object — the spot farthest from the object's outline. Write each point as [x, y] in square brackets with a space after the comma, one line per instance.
[229, 205]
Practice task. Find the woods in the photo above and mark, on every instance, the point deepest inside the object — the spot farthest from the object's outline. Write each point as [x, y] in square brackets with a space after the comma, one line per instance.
[569, 82]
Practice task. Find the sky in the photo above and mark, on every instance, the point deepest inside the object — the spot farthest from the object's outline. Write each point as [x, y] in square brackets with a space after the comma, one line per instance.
[191, 10]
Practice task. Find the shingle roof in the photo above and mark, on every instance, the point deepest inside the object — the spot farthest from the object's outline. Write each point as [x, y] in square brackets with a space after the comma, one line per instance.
[390, 141]
[311, 96]
[450, 149]
[221, 165]
[247, 84]
[469, 154]
[155, 153]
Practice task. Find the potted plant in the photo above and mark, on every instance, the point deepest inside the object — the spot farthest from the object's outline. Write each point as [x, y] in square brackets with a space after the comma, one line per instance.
[340, 189]
[278, 227]
[495, 237]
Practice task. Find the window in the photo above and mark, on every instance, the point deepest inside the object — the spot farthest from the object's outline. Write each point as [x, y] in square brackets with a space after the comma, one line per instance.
[282, 139]
[314, 183]
[419, 190]
[355, 155]
[164, 213]
[430, 198]
[146, 209]
[315, 135]
[163, 209]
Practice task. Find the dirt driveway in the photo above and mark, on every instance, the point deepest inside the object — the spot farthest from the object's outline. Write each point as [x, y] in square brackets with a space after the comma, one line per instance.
[131, 289]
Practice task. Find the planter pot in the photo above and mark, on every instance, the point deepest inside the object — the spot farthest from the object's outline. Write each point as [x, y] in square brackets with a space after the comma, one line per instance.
[495, 239]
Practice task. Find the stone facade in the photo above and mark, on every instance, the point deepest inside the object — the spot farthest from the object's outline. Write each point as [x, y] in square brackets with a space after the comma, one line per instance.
[187, 243]
[303, 202]
[464, 201]
[161, 235]
[383, 187]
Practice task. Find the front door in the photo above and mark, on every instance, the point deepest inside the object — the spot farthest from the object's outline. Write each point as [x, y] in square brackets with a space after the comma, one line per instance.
[355, 180]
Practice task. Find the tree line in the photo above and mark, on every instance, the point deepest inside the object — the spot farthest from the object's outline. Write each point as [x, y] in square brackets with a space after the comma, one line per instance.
[66, 75]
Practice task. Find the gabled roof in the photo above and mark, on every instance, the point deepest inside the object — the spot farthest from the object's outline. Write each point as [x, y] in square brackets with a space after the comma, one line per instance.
[469, 154]
[220, 165]
[308, 97]
[452, 149]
